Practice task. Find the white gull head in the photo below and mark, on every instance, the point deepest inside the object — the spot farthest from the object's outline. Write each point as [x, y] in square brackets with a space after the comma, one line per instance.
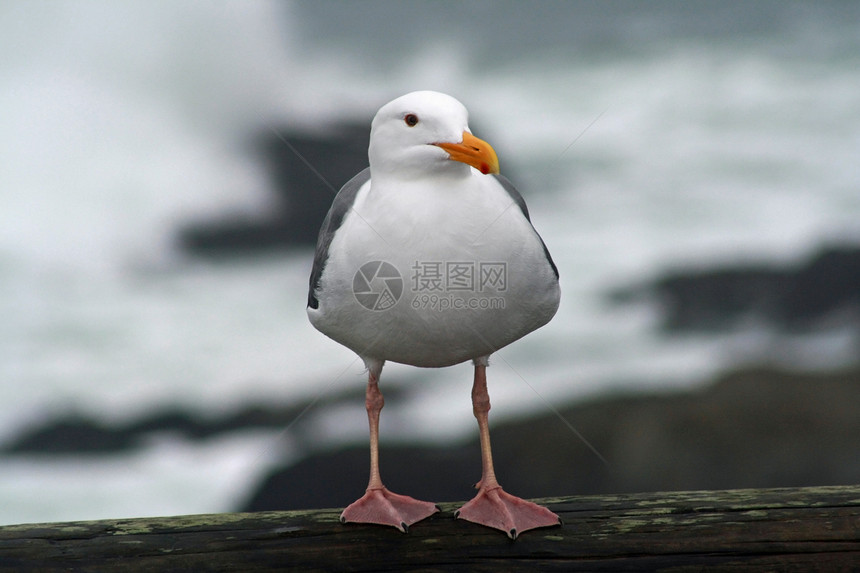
[406, 133]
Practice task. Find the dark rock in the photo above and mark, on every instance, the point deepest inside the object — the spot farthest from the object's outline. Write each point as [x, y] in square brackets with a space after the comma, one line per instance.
[336, 479]
[756, 428]
[175, 421]
[73, 434]
[825, 289]
[830, 282]
[307, 171]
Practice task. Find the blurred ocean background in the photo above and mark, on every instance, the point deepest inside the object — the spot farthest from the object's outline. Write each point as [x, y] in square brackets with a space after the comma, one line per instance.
[645, 137]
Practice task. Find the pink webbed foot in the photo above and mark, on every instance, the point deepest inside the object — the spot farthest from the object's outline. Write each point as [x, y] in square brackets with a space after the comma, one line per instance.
[382, 507]
[495, 508]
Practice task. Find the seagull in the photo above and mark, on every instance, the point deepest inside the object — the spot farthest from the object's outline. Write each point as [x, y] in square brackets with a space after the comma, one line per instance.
[428, 257]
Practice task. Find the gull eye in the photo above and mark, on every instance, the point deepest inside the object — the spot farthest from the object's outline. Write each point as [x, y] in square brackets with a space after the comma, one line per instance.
[411, 119]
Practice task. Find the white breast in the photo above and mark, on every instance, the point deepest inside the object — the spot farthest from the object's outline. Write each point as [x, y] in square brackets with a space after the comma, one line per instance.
[473, 272]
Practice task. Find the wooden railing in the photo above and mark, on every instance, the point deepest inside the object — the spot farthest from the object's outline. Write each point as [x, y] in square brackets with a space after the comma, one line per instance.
[789, 529]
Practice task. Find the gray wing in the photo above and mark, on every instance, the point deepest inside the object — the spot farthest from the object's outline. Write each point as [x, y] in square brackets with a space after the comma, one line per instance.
[341, 205]
[521, 203]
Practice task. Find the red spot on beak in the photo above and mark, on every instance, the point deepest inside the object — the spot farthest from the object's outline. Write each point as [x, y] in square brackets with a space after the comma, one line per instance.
[473, 151]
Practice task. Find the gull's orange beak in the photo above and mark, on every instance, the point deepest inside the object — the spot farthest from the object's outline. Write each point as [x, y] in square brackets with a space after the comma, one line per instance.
[473, 151]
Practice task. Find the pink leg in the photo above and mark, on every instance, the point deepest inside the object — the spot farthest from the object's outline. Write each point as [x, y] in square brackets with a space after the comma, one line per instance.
[378, 505]
[492, 506]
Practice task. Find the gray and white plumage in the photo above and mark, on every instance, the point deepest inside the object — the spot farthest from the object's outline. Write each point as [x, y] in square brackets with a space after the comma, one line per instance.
[412, 206]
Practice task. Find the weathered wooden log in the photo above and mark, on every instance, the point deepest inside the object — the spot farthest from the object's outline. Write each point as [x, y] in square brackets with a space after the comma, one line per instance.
[788, 529]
